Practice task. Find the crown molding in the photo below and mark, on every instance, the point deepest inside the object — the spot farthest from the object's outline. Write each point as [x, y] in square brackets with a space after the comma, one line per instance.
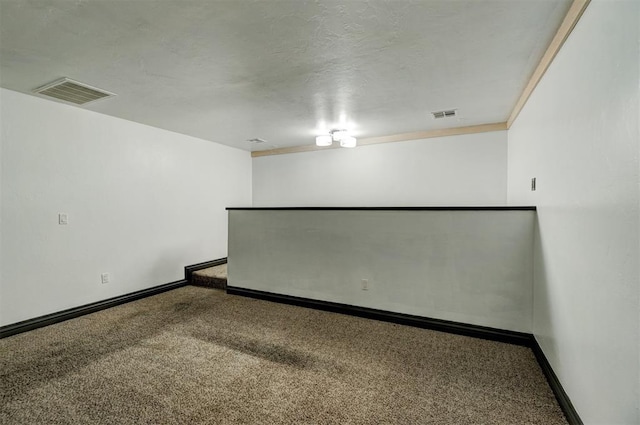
[570, 20]
[572, 17]
[403, 137]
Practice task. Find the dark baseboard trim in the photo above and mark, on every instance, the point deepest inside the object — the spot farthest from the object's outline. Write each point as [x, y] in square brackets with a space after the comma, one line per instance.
[511, 337]
[61, 316]
[49, 319]
[563, 399]
[460, 208]
[188, 270]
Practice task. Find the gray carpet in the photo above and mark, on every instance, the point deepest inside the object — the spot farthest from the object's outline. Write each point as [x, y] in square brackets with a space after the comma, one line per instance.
[199, 356]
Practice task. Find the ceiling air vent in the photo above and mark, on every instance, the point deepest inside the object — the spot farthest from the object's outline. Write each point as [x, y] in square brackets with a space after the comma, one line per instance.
[71, 91]
[444, 114]
[256, 141]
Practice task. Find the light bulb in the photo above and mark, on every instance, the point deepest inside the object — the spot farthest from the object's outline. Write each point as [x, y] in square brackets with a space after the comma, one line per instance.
[348, 142]
[325, 140]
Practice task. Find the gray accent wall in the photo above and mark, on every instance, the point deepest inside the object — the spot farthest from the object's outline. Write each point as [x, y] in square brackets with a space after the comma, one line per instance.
[468, 266]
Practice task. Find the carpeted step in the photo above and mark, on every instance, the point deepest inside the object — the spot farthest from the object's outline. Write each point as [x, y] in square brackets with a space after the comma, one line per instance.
[212, 277]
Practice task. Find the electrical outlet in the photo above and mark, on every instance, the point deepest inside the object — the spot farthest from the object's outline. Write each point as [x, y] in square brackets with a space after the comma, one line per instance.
[533, 184]
[63, 219]
[104, 278]
[365, 284]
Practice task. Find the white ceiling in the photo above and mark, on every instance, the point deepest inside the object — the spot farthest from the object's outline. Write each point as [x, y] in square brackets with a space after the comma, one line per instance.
[228, 71]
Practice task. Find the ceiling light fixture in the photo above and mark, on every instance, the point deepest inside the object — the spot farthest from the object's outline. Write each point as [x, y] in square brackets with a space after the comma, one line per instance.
[348, 142]
[325, 140]
[338, 135]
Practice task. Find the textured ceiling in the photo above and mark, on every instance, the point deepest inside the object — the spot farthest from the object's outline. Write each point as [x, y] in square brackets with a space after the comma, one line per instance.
[228, 71]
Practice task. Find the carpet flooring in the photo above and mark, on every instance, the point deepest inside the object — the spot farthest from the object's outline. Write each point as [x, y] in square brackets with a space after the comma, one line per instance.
[200, 356]
[211, 277]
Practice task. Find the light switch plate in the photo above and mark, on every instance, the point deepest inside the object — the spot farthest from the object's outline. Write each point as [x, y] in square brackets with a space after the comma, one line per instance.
[63, 219]
[365, 284]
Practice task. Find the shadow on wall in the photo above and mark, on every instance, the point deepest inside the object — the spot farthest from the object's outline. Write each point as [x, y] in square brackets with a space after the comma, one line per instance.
[168, 267]
[543, 320]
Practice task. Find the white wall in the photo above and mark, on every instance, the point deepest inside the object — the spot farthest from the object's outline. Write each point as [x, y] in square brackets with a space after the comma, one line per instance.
[579, 135]
[467, 266]
[142, 204]
[455, 170]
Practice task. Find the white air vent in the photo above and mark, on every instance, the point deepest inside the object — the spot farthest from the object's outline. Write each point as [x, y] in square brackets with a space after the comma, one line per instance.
[444, 114]
[71, 91]
[256, 141]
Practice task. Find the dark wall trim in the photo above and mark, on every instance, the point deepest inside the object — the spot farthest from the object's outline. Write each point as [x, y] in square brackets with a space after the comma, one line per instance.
[523, 208]
[493, 334]
[563, 399]
[50, 319]
[510, 337]
[188, 270]
[61, 316]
